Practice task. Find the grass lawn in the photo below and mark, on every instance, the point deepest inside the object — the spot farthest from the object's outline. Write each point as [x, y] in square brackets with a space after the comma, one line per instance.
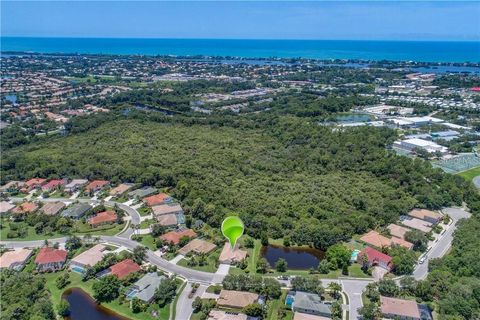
[211, 289]
[146, 223]
[470, 174]
[274, 306]
[148, 241]
[209, 267]
[121, 199]
[31, 235]
[104, 230]
[355, 270]
[254, 255]
[122, 309]
[144, 211]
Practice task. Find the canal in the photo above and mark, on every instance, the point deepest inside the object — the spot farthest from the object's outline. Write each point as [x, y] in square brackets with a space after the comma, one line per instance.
[298, 258]
[82, 307]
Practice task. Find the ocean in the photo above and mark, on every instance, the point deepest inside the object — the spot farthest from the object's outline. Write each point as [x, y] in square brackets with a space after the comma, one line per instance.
[422, 51]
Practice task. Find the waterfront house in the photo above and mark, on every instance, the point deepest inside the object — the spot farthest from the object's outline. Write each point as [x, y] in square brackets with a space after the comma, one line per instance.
[393, 308]
[50, 259]
[88, 258]
[16, 259]
[125, 267]
[231, 256]
[236, 299]
[144, 289]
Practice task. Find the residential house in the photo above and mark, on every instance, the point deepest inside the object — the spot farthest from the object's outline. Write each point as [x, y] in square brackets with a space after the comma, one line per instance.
[417, 224]
[231, 256]
[53, 185]
[377, 240]
[198, 246]
[156, 199]
[12, 186]
[125, 267]
[144, 289]
[173, 237]
[310, 303]
[75, 185]
[96, 185]
[104, 217]
[427, 215]
[52, 208]
[307, 316]
[76, 211]
[167, 220]
[121, 189]
[162, 209]
[376, 258]
[393, 308]
[5, 207]
[236, 299]
[142, 192]
[397, 231]
[88, 258]
[226, 315]
[16, 259]
[50, 259]
[26, 207]
[33, 184]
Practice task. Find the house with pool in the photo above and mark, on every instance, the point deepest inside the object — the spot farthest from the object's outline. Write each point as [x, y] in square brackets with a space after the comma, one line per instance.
[144, 289]
[88, 258]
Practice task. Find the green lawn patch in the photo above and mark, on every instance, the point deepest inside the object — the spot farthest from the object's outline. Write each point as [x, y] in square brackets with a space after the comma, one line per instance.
[146, 223]
[144, 211]
[355, 270]
[209, 267]
[211, 289]
[470, 174]
[148, 241]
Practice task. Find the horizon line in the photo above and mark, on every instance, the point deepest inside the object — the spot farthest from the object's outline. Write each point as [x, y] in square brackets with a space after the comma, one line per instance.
[240, 39]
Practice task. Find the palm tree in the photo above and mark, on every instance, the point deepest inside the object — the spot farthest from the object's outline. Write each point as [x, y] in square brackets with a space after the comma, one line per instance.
[335, 289]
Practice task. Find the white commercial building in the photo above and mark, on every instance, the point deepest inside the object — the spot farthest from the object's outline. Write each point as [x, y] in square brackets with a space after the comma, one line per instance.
[426, 145]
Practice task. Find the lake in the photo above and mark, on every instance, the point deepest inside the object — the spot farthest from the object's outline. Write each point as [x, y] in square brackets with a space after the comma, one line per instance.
[298, 258]
[82, 306]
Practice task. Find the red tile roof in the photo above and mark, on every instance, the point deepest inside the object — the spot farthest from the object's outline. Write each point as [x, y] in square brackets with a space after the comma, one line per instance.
[50, 255]
[102, 217]
[35, 182]
[124, 268]
[95, 184]
[53, 184]
[25, 207]
[375, 256]
[156, 199]
[175, 236]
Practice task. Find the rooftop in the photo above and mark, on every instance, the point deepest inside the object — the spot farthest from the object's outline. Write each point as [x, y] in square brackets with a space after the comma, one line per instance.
[236, 299]
[121, 188]
[124, 268]
[52, 208]
[5, 206]
[310, 301]
[399, 307]
[91, 256]
[10, 258]
[166, 209]
[103, 217]
[147, 285]
[197, 246]
[229, 255]
[156, 199]
[50, 255]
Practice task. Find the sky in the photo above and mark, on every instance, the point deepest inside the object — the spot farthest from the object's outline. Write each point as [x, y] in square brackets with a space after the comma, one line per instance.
[343, 20]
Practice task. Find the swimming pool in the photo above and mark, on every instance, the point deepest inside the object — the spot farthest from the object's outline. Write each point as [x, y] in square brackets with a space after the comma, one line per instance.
[354, 256]
[289, 300]
[78, 269]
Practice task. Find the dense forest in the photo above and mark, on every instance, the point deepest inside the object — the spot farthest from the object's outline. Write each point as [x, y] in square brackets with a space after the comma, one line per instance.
[285, 176]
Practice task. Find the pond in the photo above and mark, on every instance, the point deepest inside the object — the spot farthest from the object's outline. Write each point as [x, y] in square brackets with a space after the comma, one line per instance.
[297, 258]
[82, 306]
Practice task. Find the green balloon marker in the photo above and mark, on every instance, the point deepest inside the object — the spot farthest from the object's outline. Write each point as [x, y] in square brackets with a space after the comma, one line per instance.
[232, 229]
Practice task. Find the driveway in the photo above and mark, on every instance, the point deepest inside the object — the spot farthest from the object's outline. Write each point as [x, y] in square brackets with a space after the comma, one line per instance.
[184, 303]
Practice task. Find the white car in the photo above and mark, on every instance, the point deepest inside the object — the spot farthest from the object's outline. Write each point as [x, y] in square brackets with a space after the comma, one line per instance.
[422, 260]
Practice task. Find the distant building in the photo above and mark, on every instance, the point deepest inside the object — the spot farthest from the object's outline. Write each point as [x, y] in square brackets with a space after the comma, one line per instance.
[231, 256]
[33, 184]
[310, 303]
[236, 299]
[415, 143]
[226, 315]
[376, 258]
[167, 220]
[393, 308]
[88, 258]
[397, 231]
[50, 259]
[76, 211]
[26, 207]
[162, 209]
[53, 185]
[144, 289]
[16, 259]
[12, 186]
[52, 208]
[417, 224]
[377, 240]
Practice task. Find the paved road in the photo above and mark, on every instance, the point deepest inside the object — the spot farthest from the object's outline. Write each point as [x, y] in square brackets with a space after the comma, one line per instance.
[443, 244]
[184, 304]
[476, 181]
